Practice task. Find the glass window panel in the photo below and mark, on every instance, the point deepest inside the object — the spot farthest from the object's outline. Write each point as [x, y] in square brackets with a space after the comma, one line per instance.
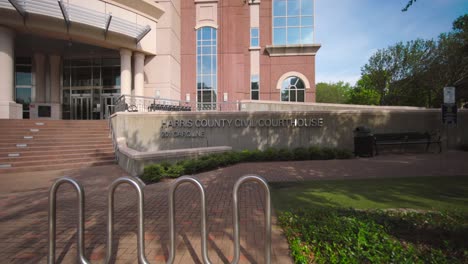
[292, 95]
[96, 76]
[293, 81]
[214, 34]
[199, 50]
[207, 82]
[294, 8]
[254, 95]
[307, 21]
[206, 64]
[294, 35]
[254, 32]
[300, 84]
[206, 33]
[66, 77]
[213, 65]
[199, 34]
[23, 96]
[111, 62]
[286, 84]
[279, 8]
[293, 21]
[207, 95]
[279, 22]
[254, 42]
[300, 96]
[279, 35]
[206, 50]
[23, 75]
[307, 8]
[307, 35]
[285, 95]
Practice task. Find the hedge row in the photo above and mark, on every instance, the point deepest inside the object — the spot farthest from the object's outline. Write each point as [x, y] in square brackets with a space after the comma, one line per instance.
[155, 172]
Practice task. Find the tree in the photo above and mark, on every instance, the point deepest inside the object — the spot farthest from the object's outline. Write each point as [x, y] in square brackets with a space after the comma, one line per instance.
[363, 94]
[415, 72]
[410, 3]
[336, 93]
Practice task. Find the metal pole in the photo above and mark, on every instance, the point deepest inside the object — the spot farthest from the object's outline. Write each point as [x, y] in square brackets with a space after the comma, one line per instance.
[203, 233]
[53, 218]
[236, 217]
[138, 185]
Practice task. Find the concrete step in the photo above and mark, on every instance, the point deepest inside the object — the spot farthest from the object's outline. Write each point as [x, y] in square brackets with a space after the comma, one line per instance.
[33, 153]
[56, 166]
[41, 145]
[48, 156]
[48, 148]
[66, 143]
[28, 163]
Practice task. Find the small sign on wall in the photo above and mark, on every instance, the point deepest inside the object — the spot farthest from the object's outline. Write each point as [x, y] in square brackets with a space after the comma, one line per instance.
[449, 95]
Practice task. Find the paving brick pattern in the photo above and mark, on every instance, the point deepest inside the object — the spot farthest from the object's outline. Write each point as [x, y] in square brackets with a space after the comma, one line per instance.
[24, 200]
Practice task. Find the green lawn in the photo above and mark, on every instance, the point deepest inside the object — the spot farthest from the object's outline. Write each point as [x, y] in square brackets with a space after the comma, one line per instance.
[426, 193]
[345, 221]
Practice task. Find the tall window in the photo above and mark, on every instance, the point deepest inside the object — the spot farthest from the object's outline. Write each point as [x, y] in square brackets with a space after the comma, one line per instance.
[206, 68]
[293, 22]
[23, 84]
[254, 37]
[254, 87]
[292, 90]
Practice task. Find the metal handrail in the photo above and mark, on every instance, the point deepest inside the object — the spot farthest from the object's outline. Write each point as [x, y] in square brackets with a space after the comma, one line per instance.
[203, 233]
[53, 218]
[263, 183]
[115, 145]
[138, 185]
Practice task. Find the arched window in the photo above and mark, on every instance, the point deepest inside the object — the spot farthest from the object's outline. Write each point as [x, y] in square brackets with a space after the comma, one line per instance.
[207, 66]
[293, 22]
[293, 90]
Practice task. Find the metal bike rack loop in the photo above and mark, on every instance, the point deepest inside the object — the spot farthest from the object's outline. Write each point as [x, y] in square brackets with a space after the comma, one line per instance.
[203, 233]
[263, 183]
[53, 218]
[138, 185]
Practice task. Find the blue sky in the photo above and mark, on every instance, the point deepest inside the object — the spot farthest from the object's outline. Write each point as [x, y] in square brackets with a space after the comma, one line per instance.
[350, 31]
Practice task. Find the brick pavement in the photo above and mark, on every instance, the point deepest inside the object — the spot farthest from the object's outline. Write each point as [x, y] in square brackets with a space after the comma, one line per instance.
[23, 215]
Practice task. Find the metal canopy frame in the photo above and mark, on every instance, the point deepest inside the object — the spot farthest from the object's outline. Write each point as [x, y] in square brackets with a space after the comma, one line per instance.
[77, 14]
[18, 8]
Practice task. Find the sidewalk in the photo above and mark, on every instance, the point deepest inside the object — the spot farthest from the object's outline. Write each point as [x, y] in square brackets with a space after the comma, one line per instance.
[24, 202]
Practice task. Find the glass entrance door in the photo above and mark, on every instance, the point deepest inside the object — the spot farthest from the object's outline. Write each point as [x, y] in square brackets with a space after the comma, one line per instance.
[81, 107]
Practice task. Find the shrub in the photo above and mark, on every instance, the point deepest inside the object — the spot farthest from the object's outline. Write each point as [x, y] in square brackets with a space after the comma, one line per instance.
[152, 173]
[301, 154]
[155, 172]
[315, 153]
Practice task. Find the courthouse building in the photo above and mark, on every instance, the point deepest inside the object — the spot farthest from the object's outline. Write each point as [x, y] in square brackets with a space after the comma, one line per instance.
[72, 59]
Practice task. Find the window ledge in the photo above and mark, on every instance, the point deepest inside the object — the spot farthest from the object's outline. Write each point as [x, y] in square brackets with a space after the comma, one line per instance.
[255, 48]
[292, 50]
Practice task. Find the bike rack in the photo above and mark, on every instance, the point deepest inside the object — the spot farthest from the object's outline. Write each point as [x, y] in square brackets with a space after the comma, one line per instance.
[138, 185]
[203, 233]
[263, 183]
[53, 218]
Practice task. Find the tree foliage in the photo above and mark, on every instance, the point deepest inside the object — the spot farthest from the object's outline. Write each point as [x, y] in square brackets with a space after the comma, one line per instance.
[333, 92]
[415, 72]
[410, 3]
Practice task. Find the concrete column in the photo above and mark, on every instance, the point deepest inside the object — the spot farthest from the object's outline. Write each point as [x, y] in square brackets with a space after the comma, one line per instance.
[54, 62]
[6, 64]
[125, 71]
[39, 77]
[139, 65]
[8, 108]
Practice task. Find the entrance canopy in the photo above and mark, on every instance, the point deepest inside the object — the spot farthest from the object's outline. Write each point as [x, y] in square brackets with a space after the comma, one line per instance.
[71, 13]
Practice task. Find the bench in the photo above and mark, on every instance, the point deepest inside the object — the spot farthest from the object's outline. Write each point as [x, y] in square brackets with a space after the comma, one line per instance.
[406, 138]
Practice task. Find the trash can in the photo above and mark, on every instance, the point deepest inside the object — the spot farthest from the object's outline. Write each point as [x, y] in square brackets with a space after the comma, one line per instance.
[363, 142]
